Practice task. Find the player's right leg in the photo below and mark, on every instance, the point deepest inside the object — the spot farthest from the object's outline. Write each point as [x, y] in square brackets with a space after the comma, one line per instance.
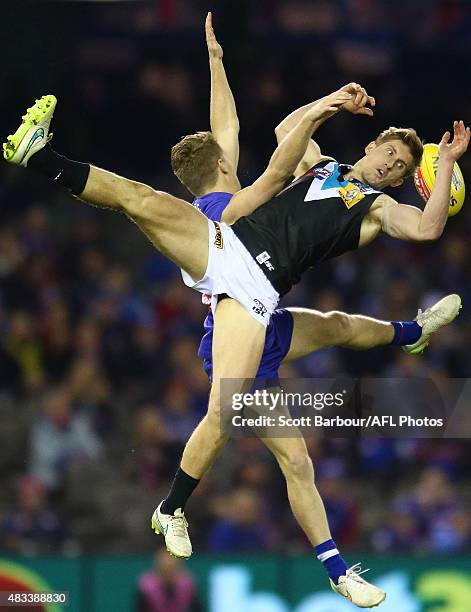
[238, 343]
[176, 228]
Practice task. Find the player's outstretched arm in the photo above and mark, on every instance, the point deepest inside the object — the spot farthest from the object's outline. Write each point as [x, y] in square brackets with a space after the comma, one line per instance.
[223, 113]
[356, 105]
[410, 223]
[284, 160]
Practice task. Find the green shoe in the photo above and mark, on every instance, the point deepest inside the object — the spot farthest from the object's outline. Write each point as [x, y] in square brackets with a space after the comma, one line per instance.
[33, 133]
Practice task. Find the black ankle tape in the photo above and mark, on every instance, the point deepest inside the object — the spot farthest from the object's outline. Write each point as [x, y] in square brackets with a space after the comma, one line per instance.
[180, 491]
[70, 174]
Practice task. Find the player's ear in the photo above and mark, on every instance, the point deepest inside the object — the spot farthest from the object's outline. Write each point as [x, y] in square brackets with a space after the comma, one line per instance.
[397, 183]
[222, 164]
[370, 146]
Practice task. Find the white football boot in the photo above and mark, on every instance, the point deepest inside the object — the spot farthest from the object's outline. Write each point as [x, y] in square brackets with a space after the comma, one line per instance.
[354, 588]
[33, 133]
[434, 318]
[174, 528]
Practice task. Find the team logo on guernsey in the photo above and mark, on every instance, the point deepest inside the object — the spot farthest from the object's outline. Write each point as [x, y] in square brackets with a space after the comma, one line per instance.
[351, 194]
[321, 173]
[218, 241]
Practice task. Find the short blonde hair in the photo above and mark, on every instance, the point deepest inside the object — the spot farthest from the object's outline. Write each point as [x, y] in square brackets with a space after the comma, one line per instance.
[194, 161]
[410, 138]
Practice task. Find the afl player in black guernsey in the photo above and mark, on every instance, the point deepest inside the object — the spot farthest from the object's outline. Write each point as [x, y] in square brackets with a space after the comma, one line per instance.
[258, 252]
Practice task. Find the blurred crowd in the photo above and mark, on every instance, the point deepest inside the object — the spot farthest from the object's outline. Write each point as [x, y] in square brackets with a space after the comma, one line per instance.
[100, 385]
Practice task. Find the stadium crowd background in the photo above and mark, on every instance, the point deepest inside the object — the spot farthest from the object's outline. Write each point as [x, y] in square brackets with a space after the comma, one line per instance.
[99, 382]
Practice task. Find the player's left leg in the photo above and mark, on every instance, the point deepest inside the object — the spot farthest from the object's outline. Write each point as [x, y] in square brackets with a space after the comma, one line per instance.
[314, 330]
[237, 348]
[304, 499]
[308, 509]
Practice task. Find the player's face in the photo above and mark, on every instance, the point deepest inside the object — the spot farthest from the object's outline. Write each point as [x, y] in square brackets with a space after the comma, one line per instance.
[386, 164]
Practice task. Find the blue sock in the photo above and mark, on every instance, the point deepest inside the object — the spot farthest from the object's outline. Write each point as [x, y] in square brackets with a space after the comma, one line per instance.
[405, 332]
[331, 559]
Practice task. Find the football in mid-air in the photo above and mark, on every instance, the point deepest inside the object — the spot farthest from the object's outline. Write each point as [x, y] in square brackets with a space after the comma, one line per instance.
[424, 179]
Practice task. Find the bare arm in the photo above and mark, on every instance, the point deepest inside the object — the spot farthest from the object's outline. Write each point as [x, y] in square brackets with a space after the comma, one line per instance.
[410, 223]
[357, 106]
[284, 160]
[313, 153]
[223, 113]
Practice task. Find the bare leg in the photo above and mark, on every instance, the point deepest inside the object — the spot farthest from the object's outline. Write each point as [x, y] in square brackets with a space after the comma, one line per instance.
[304, 499]
[243, 336]
[177, 229]
[237, 349]
[314, 330]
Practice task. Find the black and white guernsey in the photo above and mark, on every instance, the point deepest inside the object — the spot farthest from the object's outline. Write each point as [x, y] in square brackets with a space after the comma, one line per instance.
[313, 219]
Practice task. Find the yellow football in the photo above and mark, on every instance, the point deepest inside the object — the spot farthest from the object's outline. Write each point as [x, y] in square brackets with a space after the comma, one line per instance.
[424, 179]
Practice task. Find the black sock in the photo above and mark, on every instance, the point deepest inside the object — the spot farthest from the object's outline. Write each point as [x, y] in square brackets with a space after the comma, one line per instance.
[180, 491]
[70, 174]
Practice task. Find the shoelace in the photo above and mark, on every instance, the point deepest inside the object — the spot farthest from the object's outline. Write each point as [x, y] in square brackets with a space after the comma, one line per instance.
[179, 526]
[355, 572]
[431, 315]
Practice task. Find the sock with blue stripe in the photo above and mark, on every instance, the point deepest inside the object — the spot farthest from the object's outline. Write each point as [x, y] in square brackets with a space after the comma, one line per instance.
[331, 559]
[405, 332]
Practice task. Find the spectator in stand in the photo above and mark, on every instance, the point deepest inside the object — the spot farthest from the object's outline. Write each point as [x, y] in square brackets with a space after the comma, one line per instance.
[24, 347]
[33, 526]
[56, 337]
[400, 534]
[61, 437]
[91, 393]
[438, 505]
[178, 414]
[154, 449]
[431, 518]
[167, 587]
[451, 533]
[243, 526]
[341, 508]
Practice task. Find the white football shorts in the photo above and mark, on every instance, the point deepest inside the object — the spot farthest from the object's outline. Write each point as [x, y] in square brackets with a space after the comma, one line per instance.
[233, 271]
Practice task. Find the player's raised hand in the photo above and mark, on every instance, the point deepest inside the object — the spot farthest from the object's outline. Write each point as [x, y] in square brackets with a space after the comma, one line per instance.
[214, 48]
[453, 150]
[358, 105]
[328, 105]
